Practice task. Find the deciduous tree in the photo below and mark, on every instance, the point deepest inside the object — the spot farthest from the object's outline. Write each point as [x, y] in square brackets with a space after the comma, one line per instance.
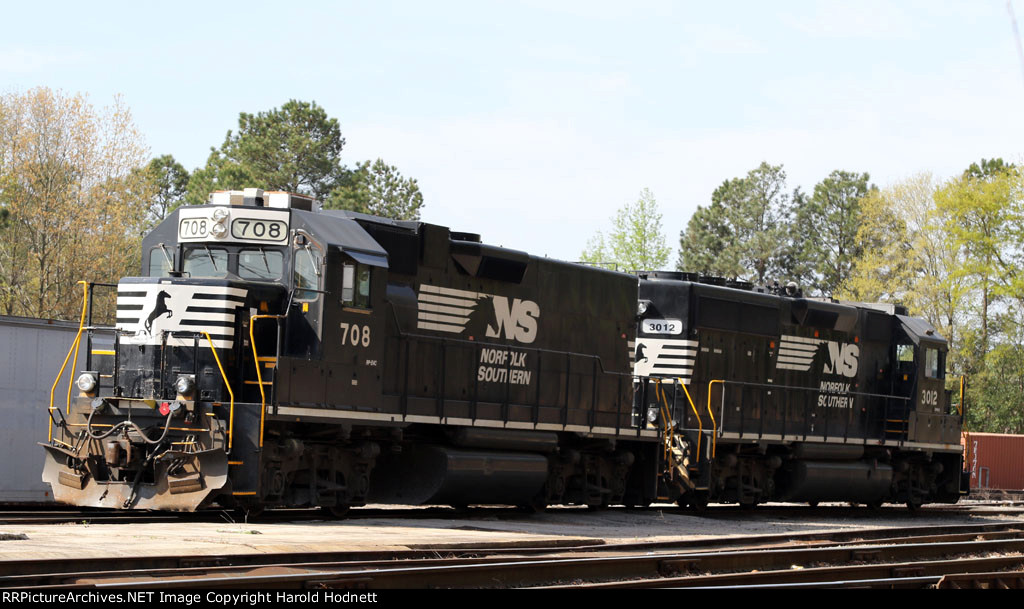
[636, 242]
[74, 198]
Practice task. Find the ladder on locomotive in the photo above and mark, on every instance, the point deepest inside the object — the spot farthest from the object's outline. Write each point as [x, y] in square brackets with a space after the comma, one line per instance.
[264, 360]
[674, 453]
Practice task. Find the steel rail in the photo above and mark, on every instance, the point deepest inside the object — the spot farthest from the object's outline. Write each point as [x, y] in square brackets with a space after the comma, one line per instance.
[655, 569]
[420, 559]
[924, 572]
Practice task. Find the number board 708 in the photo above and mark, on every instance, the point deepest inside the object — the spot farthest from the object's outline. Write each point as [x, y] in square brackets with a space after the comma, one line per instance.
[252, 229]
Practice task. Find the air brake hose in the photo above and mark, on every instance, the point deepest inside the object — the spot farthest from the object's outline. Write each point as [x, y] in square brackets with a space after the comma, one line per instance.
[116, 428]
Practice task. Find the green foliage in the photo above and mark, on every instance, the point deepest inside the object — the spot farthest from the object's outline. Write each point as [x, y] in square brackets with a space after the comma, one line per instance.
[218, 174]
[704, 245]
[295, 148]
[988, 168]
[168, 179]
[980, 211]
[743, 234]
[378, 189]
[832, 217]
[636, 241]
[996, 395]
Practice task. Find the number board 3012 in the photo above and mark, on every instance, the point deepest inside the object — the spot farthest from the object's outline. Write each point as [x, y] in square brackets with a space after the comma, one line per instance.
[259, 230]
[662, 326]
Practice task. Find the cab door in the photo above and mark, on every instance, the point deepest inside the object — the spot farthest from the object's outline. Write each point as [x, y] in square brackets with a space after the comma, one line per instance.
[932, 382]
[931, 393]
[354, 335]
[305, 309]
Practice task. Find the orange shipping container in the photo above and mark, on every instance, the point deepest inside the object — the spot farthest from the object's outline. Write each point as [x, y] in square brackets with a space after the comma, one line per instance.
[996, 461]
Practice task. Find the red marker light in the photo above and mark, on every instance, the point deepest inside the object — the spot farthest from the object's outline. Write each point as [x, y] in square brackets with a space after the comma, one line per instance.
[165, 407]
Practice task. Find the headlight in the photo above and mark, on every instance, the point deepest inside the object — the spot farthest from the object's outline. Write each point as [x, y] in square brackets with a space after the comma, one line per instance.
[185, 385]
[641, 307]
[652, 415]
[87, 382]
[219, 214]
[218, 230]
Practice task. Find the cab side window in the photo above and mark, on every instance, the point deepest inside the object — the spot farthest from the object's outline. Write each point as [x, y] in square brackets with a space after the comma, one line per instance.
[160, 262]
[933, 367]
[355, 289]
[307, 278]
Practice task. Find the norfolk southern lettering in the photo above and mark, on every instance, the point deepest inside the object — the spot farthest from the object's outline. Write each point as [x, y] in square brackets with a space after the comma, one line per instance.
[502, 365]
[835, 395]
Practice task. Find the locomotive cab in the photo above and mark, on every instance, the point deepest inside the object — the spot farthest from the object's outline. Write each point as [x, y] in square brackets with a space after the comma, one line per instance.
[920, 377]
[227, 291]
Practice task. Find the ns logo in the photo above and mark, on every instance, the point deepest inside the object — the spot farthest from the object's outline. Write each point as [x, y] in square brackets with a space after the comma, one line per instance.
[517, 321]
[842, 359]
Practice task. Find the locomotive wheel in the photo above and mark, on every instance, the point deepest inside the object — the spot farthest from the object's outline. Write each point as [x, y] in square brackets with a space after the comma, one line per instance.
[875, 506]
[913, 505]
[813, 504]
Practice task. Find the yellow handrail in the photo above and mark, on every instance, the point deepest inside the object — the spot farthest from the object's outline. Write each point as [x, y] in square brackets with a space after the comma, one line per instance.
[666, 417]
[256, 363]
[668, 432]
[700, 424]
[231, 416]
[961, 410]
[714, 424]
[74, 348]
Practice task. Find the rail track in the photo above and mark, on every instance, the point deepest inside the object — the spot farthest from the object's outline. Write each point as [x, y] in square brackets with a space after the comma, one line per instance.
[55, 515]
[983, 555]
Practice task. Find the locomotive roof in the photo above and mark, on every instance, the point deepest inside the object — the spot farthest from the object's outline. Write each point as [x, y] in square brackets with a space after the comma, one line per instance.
[844, 312]
[920, 330]
[343, 232]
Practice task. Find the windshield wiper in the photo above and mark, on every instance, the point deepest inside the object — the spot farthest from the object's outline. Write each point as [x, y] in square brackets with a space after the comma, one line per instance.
[210, 254]
[265, 263]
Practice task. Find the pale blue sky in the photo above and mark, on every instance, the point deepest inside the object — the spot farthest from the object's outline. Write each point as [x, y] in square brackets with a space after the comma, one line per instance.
[532, 122]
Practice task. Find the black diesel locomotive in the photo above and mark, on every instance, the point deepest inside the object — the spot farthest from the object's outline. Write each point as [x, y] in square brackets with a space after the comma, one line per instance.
[779, 397]
[273, 354]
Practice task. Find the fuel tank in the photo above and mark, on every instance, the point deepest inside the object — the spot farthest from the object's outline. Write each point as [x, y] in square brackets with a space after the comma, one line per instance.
[433, 474]
[861, 481]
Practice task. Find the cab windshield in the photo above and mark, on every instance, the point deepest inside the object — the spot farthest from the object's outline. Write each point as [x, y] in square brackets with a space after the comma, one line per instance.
[257, 263]
[206, 262]
[260, 263]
